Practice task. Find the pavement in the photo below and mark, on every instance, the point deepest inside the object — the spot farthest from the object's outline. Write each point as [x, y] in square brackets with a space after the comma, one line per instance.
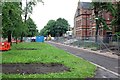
[108, 66]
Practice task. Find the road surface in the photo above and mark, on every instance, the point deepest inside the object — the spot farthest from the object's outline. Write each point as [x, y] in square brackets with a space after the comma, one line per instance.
[107, 67]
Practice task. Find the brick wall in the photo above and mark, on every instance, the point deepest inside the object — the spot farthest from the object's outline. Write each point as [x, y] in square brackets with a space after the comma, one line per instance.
[86, 21]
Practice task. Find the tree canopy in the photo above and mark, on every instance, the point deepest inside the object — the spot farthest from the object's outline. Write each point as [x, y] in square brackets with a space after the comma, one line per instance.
[55, 28]
[116, 19]
[99, 7]
[13, 24]
[11, 18]
[32, 28]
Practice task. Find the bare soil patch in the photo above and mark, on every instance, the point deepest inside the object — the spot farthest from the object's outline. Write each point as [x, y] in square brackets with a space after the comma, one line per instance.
[26, 49]
[33, 68]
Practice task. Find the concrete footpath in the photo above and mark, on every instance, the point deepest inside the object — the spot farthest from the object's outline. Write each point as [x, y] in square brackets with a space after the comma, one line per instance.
[108, 66]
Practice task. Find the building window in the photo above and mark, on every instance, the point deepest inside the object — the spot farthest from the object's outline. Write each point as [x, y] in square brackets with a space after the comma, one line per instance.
[78, 12]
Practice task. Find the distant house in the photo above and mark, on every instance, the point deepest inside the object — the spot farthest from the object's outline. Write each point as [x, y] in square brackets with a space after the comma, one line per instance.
[84, 21]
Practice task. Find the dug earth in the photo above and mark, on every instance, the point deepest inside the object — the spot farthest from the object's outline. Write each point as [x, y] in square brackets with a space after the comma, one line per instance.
[33, 68]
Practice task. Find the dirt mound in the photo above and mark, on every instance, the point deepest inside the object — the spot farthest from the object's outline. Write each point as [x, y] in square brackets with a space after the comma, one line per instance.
[33, 68]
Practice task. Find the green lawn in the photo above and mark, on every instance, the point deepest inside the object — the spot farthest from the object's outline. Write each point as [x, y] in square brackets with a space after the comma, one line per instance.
[47, 54]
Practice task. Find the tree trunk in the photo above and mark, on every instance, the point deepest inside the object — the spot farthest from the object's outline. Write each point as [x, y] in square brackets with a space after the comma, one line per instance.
[96, 33]
[26, 11]
[9, 37]
[25, 22]
[21, 39]
[97, 25]
[16, 40]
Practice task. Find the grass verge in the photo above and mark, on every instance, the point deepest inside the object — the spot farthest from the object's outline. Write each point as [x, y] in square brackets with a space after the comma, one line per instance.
[46, 53]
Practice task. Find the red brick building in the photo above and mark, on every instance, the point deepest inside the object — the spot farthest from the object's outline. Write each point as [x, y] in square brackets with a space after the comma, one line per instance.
[84, 21]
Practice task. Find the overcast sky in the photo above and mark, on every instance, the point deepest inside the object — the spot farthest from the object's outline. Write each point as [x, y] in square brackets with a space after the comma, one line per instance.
[54, 9]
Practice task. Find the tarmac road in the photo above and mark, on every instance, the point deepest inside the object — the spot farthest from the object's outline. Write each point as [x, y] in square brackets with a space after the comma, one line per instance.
[107, 67]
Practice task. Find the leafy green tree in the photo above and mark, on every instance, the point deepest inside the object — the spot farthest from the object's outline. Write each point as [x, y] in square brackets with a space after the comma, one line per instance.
[28, 10]
[55, 28]
[11, 16]
[0, 19]
[50, 28]
[32, 28]
[29, 7]
[116, 19]
[20, 27]
[98, 8]
[44, 32]
[61, 26]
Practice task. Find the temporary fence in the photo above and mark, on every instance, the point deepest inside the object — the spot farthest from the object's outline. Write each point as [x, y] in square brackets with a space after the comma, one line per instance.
[104, 44]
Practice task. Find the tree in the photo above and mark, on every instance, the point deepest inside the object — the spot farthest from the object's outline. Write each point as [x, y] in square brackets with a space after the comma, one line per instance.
[61, 26]
[32, 28]
[116, 19]
[98, 8]
[11, 16]
[0, 19]
[12, 22]
[28, 10]
[20, 27]
[55, 28]
[29, 7]
[42, 32]
[49, 28]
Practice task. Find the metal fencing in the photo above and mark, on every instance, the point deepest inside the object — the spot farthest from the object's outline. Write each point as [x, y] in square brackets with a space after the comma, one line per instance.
[111, 44]
[104, 44]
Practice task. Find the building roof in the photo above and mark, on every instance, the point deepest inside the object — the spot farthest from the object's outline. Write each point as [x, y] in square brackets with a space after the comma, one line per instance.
[84, 5]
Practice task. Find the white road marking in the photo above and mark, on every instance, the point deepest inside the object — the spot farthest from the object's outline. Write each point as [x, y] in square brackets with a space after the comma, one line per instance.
[105, 69]
[104, 76]
[101, 67]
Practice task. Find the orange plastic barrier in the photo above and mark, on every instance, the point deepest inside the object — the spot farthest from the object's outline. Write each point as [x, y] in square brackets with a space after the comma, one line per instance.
[4, 46]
